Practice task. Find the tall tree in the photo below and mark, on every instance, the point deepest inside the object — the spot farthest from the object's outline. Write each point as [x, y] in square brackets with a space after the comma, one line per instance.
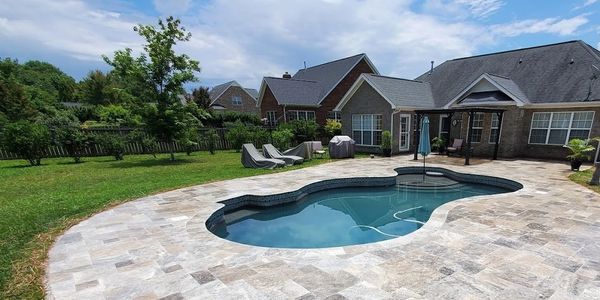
[200, 96]
[165, 72]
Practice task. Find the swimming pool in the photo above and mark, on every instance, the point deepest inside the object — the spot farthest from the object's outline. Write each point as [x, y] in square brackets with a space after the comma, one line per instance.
[348, 215]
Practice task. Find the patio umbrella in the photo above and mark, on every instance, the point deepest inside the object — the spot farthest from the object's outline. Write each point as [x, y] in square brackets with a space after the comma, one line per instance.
[424, 145]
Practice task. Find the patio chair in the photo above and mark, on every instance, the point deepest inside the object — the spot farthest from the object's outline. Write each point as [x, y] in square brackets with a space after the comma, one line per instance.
[303, 150]
[318, 148]
[251, 158]
[270, 151]
[456, 147]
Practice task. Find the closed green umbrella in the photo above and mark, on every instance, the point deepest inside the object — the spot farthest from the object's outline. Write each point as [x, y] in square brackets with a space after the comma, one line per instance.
[424, 145]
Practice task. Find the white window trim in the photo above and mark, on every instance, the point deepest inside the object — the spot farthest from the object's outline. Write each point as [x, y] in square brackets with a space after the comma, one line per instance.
[372, 130]
[304, 112]
[236, 102]
[499, 131]
[483, 124]
[274, 121]
[442, 116]
[408, 129]
[550, 126]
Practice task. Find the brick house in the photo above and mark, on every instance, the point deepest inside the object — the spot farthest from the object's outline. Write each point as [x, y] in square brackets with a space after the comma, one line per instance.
[231, 96]
[312, 93]
[530, 102]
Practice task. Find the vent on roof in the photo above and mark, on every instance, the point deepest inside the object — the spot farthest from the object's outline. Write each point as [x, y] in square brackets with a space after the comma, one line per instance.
[520, 60]
[431, 70]
[572, 61]
[286, 75]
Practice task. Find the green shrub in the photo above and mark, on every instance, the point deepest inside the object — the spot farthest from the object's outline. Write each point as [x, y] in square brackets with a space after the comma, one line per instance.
[438, 143]
[66, 131]
[117, 115]
[282, 138]
[221, 119]
[386, 140]
[27, 139]
[148, 143]
[238, 134]
[304, 130]
[211, 137]
[332, 128]
[113, 144]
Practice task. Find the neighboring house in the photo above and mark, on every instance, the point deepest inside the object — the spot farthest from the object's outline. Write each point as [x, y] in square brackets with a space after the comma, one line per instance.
[231, 96]
[536, 99]
[312, 93]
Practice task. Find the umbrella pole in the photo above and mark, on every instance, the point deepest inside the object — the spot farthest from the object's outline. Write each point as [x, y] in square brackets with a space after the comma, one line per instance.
[424, 167]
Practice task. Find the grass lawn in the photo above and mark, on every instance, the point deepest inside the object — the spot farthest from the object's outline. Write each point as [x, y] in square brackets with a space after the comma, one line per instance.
[584, 178]
[38, 203]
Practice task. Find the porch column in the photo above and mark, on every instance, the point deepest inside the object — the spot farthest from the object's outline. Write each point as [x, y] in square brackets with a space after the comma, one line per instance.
[469, 133]
[417, 136]
[500, 114]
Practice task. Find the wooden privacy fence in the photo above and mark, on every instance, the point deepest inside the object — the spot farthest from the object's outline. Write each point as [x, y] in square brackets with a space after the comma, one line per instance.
[131, 148]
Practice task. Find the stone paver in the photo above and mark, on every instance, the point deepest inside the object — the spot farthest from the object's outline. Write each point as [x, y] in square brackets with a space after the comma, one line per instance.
[540, 242]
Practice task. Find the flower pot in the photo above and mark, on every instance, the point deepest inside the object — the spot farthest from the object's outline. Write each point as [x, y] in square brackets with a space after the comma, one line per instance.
[576, 164]
[387, 152]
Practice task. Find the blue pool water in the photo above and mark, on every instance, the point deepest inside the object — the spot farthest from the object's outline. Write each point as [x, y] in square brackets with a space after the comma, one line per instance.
[343, 216]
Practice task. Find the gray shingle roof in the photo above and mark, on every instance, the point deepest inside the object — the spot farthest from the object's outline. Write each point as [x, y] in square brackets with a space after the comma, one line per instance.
[294, 91]
[402, 92]
[330, 73]
[543, 74]
[509, 85]
[219, 89]
[252, 92]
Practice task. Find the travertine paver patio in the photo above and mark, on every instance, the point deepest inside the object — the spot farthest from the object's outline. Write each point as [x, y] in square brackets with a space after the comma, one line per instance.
[540, 242]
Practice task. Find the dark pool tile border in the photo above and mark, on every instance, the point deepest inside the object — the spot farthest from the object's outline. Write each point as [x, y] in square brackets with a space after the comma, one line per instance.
[282, 198]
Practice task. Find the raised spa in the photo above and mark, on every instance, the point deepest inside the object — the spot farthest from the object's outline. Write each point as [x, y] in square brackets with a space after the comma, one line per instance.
[348, 211]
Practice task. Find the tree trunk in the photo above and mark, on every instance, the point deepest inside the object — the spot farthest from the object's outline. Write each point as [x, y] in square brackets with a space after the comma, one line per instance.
[172, 150]
[596, 177]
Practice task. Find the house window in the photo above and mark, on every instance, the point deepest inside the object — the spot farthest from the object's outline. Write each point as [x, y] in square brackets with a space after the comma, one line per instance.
[495, 129]
[477, 127]
[444, 127]
[366, 129]
[334, 115]
[300, 115]
[558, 128]
[236, 100]
[271, 118]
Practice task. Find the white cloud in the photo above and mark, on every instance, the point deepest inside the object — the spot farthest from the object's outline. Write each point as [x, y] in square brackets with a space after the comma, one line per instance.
[68, 26]
[172, 7]
[246, 40]
[585, 4]
[462, 9]
[549, 25]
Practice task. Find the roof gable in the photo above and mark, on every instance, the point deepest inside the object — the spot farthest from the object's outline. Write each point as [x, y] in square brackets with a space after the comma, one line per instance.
[398, 92]
[556, 73]
[487, 83]
[218, 90]
[330, 74]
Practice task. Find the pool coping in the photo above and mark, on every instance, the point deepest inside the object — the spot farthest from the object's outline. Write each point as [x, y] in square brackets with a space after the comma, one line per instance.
[265, 201]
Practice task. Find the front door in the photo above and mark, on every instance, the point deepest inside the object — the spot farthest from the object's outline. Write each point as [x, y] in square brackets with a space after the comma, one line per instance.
[404, 133]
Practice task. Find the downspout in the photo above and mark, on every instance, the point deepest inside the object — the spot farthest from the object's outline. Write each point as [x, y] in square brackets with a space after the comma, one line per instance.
[284, 116]
[392, 130]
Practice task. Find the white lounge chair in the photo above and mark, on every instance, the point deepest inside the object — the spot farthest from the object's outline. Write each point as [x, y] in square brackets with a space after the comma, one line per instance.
[270, 151]
[251, 158]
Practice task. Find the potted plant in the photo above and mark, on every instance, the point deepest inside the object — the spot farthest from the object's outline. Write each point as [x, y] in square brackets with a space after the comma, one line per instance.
[386, 143]
[439, 144]
[580, 150]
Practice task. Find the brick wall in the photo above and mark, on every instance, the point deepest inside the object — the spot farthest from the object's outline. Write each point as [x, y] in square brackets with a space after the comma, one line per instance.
[514, 137]
[332, 100]
[248, 103]
[269, 103]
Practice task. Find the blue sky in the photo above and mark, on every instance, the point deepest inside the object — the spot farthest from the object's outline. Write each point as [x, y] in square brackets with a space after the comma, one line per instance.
[246, 40]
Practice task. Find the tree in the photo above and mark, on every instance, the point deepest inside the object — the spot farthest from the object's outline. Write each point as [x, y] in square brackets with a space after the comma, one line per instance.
[14, 105]
[165, 72]
[65, 131]
[27, 139]
[113, 144]
[200, 96]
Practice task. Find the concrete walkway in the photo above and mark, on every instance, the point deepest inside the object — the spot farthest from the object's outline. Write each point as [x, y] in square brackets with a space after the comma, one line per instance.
[540, 242]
